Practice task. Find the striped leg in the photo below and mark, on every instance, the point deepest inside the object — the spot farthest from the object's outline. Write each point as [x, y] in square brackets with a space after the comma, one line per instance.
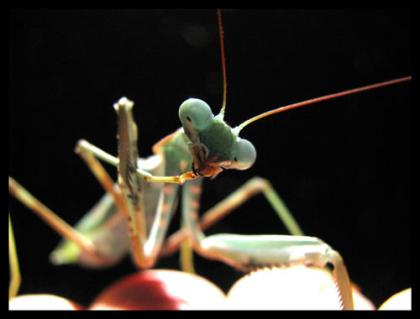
[160, 222]
[193, 235]
[146, 235]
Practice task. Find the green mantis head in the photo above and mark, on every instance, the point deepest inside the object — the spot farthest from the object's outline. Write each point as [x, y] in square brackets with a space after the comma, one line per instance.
[214, 145]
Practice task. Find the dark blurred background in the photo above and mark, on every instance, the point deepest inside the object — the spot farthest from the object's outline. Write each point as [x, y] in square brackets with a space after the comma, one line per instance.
[342, 167]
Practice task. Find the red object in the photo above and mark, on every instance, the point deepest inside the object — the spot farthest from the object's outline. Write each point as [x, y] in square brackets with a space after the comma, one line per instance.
[160, 290]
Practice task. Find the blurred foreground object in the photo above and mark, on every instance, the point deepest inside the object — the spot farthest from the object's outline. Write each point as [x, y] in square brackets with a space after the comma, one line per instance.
[399, 301]
[288, 288]
[160, 290]
[42, 302]
[291, 288]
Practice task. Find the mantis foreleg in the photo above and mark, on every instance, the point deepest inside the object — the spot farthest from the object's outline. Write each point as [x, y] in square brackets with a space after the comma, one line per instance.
[146, 176]
[145, 242]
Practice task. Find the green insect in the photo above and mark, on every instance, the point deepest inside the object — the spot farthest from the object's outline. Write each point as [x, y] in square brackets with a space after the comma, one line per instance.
[145, 198]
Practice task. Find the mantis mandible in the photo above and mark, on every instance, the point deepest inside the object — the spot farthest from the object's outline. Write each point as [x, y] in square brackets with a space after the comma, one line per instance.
[199, 162]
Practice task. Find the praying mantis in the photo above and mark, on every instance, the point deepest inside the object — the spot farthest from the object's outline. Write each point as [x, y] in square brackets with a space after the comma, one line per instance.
[230, 112]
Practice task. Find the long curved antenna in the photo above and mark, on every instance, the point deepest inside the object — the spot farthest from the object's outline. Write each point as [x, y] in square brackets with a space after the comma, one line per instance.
[320, 99]
[222, 52]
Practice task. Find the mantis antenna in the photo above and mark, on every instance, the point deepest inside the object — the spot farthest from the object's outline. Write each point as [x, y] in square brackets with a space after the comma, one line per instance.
[320, 99]
[294, 105]
[222, 52]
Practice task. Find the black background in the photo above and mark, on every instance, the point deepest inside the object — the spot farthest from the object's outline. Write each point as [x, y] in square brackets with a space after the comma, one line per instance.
[342, 167]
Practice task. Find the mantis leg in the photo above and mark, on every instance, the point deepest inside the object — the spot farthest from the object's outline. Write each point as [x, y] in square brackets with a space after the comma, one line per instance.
[84, 145]
[146, 236]
[82, 243]
[15, 276]
[105, 223]
[251, 188]
[247, 252]
[51, 218]
[103, 177]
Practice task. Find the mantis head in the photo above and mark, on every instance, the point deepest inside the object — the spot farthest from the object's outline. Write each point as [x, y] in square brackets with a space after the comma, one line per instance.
[214, 145]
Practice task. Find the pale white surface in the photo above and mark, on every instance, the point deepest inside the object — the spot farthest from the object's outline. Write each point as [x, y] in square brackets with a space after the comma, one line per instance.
[41, 302]
[292, 288]
[399, 301]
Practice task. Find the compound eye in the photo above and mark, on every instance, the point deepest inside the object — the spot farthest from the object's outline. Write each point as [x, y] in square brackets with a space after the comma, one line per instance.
[195, 114]
[244, 154]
